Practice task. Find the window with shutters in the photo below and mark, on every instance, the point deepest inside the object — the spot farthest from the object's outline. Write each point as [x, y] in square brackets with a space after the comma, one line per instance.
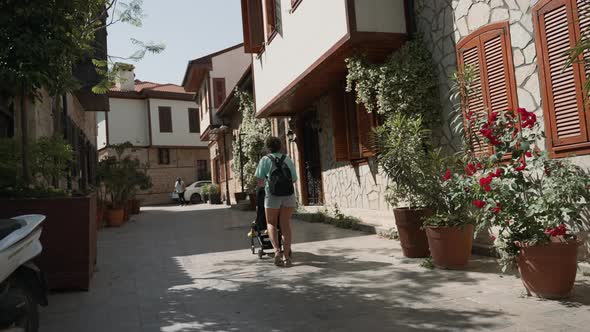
[353, 128]
[488, 54]
[273, 19]
[165, 116]
[253, 26]
[163, 156]
[560, 25]
[193, 120]
[218, 91]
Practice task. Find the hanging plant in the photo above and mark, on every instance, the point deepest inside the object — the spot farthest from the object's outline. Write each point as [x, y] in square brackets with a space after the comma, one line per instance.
[254, 132]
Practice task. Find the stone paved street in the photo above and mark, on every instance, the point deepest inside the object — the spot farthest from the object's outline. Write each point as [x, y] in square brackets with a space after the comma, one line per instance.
[190, 269]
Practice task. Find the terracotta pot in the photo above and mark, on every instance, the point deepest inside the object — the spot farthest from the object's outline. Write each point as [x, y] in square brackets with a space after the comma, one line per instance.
[114, 216]
[450, 247]
[411, 234]
[549, 271]
[252, 198]
[215, 198]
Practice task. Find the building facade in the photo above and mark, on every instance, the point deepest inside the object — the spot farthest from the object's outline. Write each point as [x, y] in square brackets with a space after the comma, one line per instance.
[161, 122]
[213, 78]
[324, 130]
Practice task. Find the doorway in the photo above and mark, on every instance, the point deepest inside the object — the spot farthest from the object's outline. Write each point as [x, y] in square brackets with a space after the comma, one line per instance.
[311, 178]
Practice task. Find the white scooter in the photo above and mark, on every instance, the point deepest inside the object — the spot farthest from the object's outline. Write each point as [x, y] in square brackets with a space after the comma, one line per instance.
[22, 285]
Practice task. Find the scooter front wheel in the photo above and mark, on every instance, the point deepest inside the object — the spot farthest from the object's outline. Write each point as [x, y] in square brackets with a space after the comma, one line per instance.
[26, 317]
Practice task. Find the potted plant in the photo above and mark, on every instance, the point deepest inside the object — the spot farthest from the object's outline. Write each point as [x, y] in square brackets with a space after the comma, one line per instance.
[451, 227]
[205, 192]
[405, 158]
[214, 194]
[403, 91]
[536, 202]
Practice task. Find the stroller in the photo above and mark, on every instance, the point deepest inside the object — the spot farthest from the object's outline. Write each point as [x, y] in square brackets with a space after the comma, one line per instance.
[258, 235]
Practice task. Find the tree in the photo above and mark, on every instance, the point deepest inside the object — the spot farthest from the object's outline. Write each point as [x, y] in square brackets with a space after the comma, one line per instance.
[43, 40]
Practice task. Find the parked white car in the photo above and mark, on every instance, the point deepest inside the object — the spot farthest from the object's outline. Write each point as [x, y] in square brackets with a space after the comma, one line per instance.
[193, 193]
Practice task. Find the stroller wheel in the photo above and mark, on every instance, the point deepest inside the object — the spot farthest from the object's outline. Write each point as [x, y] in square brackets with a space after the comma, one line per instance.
[260, 253]
[253, 249]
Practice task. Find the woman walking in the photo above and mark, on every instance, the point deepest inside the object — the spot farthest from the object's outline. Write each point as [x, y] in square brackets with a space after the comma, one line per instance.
[276, 173]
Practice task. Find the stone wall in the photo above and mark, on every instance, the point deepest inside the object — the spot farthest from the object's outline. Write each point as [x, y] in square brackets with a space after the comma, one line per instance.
[444, 23]
[350, 187]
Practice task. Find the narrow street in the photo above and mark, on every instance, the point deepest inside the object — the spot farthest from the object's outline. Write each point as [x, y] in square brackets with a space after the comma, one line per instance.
[178, 269]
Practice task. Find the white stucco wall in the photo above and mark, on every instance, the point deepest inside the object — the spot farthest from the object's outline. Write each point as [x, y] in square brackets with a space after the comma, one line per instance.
[204, 106]
[308, 33]
[101, 130]
[180, 135]
[128, 121]
[231, 66]
[380, 16]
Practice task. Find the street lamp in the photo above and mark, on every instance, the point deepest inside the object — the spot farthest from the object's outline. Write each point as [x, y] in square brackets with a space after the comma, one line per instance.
[223, 130]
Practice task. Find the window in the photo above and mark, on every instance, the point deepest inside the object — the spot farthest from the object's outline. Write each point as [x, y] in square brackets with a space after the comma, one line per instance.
[253, 26]
[488, 53]
[164, 156]
[202, 172]
[219, 91]
[566, 123]
[353, 128]
[165, 115]
[193, 120]
[273, 19]
[295, 4]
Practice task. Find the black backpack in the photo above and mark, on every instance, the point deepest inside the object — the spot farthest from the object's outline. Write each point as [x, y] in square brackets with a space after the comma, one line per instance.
[280, 181]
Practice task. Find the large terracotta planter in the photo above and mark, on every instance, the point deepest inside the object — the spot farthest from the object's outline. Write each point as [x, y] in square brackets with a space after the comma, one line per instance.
[68, 238]
[549, 271]
[450, 247]
[115, 217]
[411, 234]
[240, 196]
[215, 198]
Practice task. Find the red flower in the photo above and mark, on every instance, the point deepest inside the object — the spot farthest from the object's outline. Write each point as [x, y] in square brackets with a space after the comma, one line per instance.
[528, 154]
[493, 117]
[470, 170]
[492, 237]
[479, 204]
[498, 208]
[521, 167]
[485, 183]
[479, 166]
[447, 175]
[469, 115]
[528, 118]
[498, 173]
[556, 231]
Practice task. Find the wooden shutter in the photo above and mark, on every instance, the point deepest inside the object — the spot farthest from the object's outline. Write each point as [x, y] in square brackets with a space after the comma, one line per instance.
[354, 151]
[488, 53]
[339, 124]
[165, 116]
[219, 91]
[193, 120]
[270, 18]
[562, 89]
[253, 26]
[366, 123]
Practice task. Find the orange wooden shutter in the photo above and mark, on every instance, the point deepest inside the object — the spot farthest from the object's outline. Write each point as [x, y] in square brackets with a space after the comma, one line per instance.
[470, 56]
[339, 124]
[219, 91]
[563, 99]
[165, 117]
[366, 123]
[488, 52]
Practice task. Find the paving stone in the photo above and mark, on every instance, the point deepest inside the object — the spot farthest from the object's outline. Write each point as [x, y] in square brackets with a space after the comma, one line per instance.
[207, 280]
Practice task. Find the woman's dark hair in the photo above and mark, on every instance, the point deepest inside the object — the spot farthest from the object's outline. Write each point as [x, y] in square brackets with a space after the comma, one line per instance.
[273, 144]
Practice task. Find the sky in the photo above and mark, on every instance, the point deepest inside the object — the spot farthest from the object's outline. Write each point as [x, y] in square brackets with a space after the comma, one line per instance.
[188, 28]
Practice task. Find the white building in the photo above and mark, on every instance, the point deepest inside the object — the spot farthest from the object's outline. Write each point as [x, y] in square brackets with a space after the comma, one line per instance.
[162, 123]
[213, 78]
